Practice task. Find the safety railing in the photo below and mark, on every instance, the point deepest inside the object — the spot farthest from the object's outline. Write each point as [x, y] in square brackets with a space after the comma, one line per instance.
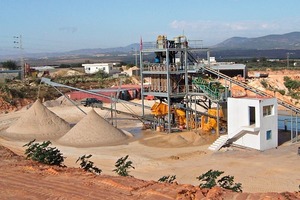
[156, 67]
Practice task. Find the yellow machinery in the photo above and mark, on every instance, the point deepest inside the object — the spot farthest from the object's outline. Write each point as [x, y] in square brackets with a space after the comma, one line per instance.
[180, 114]
[209, 123]
[159, 109]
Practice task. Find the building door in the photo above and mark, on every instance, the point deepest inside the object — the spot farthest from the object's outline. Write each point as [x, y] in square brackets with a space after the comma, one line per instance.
[251, 115]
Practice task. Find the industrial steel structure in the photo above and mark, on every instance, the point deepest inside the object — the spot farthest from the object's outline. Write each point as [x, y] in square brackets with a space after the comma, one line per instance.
[176, 78]
[190, 95]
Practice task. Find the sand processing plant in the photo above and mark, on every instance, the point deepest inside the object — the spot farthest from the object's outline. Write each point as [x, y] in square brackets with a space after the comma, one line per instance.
[191, 96]
[193, 93]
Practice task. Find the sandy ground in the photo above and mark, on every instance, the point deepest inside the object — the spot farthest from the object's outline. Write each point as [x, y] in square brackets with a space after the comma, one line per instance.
[154, 156]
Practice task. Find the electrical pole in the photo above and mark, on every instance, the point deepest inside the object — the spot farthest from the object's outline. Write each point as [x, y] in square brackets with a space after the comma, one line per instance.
[20, 46]
[287, 60]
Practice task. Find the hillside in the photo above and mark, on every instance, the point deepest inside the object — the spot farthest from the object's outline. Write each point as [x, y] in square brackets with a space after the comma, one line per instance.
[289, 41]
[273, 46]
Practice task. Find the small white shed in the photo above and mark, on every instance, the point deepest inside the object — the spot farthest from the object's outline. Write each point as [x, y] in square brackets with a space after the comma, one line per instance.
[95, 67]
[253, 122]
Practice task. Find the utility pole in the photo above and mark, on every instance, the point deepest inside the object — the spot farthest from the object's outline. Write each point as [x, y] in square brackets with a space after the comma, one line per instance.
[288, 59]
[18, 40]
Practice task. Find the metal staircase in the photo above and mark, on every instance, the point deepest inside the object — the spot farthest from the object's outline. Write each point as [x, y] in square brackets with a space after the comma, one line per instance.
[250, 88]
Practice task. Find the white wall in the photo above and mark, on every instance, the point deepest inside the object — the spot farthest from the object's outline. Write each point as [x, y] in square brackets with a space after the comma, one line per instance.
[239, 117]
[269, 122]
[93, 68]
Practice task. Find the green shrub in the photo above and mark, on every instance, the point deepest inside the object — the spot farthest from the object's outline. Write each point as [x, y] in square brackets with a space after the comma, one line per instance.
[43, 153]
[122, 166]
[167, 179]
[210, 180]
[291, 84]
[264, 83]
[295, 95]
[88, 165]
[282, 92]
[227, 182]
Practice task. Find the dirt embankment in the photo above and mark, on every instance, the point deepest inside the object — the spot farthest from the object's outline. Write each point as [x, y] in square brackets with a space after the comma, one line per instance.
[25, 179]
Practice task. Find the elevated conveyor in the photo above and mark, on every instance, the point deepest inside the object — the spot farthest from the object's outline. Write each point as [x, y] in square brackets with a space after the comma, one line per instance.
[250, 88]
[214, 93]
[53, 84]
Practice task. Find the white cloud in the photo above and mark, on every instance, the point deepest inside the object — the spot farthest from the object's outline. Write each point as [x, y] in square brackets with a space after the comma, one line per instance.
[217, 31]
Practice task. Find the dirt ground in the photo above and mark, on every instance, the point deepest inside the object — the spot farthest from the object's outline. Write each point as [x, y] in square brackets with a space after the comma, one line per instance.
[25, 179]
[158, 154]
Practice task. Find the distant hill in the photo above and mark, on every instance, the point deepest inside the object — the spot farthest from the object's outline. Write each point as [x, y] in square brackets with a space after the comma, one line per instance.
[290, 41]
[126, 49]
[271, 46]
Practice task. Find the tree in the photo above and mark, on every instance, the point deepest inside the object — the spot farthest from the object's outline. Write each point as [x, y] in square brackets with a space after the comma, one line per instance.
[122, 166]
[101, 74]
[167, 179]
[88, 165]
[43, 153]
[209, 180]
[11, 65]
[64, 66]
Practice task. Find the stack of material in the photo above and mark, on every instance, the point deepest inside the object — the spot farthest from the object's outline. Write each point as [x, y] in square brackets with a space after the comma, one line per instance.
[39, 123]
[93, 131]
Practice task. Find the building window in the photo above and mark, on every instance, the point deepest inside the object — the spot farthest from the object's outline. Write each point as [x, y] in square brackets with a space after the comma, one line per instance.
[268, 110]
[269, 135]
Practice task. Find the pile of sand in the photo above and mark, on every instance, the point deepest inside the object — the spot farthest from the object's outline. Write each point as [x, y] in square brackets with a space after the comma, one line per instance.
[60, 101]
[38, 122]
[182, 139]
[93, 131]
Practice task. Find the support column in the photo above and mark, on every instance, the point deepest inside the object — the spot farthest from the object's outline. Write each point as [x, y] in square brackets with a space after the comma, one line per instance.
[218, 120]
[168, 90]
[142, 83]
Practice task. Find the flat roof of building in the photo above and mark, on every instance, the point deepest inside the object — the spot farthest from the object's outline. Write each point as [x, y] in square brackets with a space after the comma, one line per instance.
[229, 67]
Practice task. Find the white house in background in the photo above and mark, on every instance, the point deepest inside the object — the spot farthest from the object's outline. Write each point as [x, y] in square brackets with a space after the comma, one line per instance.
[95, 67]
[253, 122]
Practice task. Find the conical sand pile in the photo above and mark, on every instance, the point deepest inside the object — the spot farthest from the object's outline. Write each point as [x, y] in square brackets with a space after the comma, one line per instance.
[93, 131]
[38, 123]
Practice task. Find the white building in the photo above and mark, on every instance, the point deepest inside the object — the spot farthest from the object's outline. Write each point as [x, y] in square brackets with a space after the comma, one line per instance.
[106, 67]
[253, 122]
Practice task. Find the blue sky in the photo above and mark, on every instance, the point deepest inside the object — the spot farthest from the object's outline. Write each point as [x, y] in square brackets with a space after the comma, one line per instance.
[63, 25]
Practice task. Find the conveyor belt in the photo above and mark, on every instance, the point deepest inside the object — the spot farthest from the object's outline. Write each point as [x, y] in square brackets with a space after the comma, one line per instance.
[252, 89]
[53, 84]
